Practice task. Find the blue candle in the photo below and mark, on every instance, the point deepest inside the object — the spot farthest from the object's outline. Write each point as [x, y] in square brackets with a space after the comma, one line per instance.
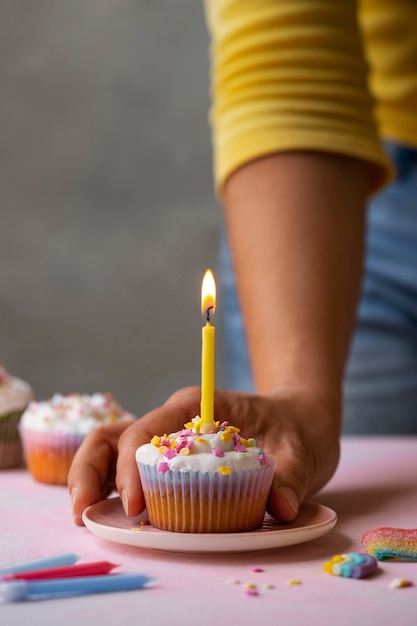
[58, 560]
[17, 590]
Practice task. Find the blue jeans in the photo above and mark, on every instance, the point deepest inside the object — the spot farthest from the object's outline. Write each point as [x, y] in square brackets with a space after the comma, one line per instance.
[380, 387]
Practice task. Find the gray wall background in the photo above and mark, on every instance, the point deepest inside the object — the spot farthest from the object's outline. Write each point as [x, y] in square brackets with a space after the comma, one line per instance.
[108, 213]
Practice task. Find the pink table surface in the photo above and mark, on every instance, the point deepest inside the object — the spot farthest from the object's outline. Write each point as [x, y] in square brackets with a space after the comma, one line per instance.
[375, 485]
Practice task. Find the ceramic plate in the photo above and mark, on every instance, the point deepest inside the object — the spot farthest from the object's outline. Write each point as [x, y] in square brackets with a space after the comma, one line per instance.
[107, 520]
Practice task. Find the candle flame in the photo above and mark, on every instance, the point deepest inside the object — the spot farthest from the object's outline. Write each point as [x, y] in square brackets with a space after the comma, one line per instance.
[208, 294]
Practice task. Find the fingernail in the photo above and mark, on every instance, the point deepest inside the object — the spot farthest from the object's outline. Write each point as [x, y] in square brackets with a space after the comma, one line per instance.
[290, 497]
[125, 502]
[74, 494]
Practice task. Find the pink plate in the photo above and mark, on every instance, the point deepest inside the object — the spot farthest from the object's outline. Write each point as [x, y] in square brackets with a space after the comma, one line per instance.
[107, 520]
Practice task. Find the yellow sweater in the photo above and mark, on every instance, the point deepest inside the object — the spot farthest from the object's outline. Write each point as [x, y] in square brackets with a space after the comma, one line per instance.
[329, 75]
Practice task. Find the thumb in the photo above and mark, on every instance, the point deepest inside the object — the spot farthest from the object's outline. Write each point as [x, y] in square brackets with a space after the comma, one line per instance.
[288, 490]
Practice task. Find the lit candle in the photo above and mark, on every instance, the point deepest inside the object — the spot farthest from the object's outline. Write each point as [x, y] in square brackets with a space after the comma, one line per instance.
[208, 306]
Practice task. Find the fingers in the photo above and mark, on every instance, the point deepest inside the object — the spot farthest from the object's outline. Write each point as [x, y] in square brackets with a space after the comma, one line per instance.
[178, 410]
[91, 477]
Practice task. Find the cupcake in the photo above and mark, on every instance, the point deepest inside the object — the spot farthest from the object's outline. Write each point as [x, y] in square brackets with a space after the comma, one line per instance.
[52, 431]
[15, 395]
[205, 479]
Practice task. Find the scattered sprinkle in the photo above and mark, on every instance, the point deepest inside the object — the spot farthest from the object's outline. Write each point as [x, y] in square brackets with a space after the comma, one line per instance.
[269, 586]
[293, 581]
[250, 586]
[136, 529]
[233, 581]
[399, 583]
[251, 592]
[224, 470]
[256, 569]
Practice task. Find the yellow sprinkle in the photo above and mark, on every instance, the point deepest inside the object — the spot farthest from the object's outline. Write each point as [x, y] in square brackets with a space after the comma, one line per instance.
[233, 429]
[226, 436]
[250, 586]
[144, 522]
[217, 424]
[162, 449]
[224, 470]
[200, 440]
[244, 442]
[189, 425]
[293, 581]
[155, 441]
[185, 451]
[136, 529]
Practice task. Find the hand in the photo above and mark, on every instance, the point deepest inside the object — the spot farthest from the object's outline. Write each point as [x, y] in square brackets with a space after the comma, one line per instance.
[298, 431]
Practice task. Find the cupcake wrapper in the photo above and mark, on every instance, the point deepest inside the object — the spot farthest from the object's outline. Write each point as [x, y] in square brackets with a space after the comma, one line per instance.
[10, 445]
[206, 502]
[49, 455]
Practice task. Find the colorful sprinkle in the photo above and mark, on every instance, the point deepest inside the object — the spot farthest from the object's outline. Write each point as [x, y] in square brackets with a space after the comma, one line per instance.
[400, 583]
[218, 452]
[256, 569]
[226, 436]
[293, 581]
[224, 470]
[163, 467]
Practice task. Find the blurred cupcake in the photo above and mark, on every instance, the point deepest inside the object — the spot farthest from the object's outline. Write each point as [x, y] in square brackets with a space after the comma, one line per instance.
[52, 430]
[205, 479]
[15, 395]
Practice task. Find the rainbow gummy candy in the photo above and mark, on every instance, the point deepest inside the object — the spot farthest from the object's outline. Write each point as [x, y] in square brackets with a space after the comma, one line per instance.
[352, 565]
[391, 543]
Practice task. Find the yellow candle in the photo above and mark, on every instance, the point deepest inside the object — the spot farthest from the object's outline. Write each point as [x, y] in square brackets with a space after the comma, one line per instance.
[208, 335]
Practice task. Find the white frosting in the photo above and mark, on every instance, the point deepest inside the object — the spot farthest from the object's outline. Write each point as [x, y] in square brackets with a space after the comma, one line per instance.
[15, 394]
[205, 462]
[210, 456]
[75, 414]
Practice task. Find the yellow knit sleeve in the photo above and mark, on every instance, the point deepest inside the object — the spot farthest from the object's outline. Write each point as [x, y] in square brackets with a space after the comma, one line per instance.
[289, 75]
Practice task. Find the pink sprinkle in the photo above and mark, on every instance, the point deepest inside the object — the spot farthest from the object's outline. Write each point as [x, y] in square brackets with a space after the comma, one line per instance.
[217, 452]
[169, 454]
[262, 459]
[163, 467]
[240, 448]
[256, 569]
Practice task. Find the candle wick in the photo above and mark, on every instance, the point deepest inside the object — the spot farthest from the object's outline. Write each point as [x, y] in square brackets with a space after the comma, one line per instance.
[208, 313]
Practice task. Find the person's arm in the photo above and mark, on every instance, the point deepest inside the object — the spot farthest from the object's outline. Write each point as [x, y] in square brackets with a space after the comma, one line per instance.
[295, 223]
[296, 227]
